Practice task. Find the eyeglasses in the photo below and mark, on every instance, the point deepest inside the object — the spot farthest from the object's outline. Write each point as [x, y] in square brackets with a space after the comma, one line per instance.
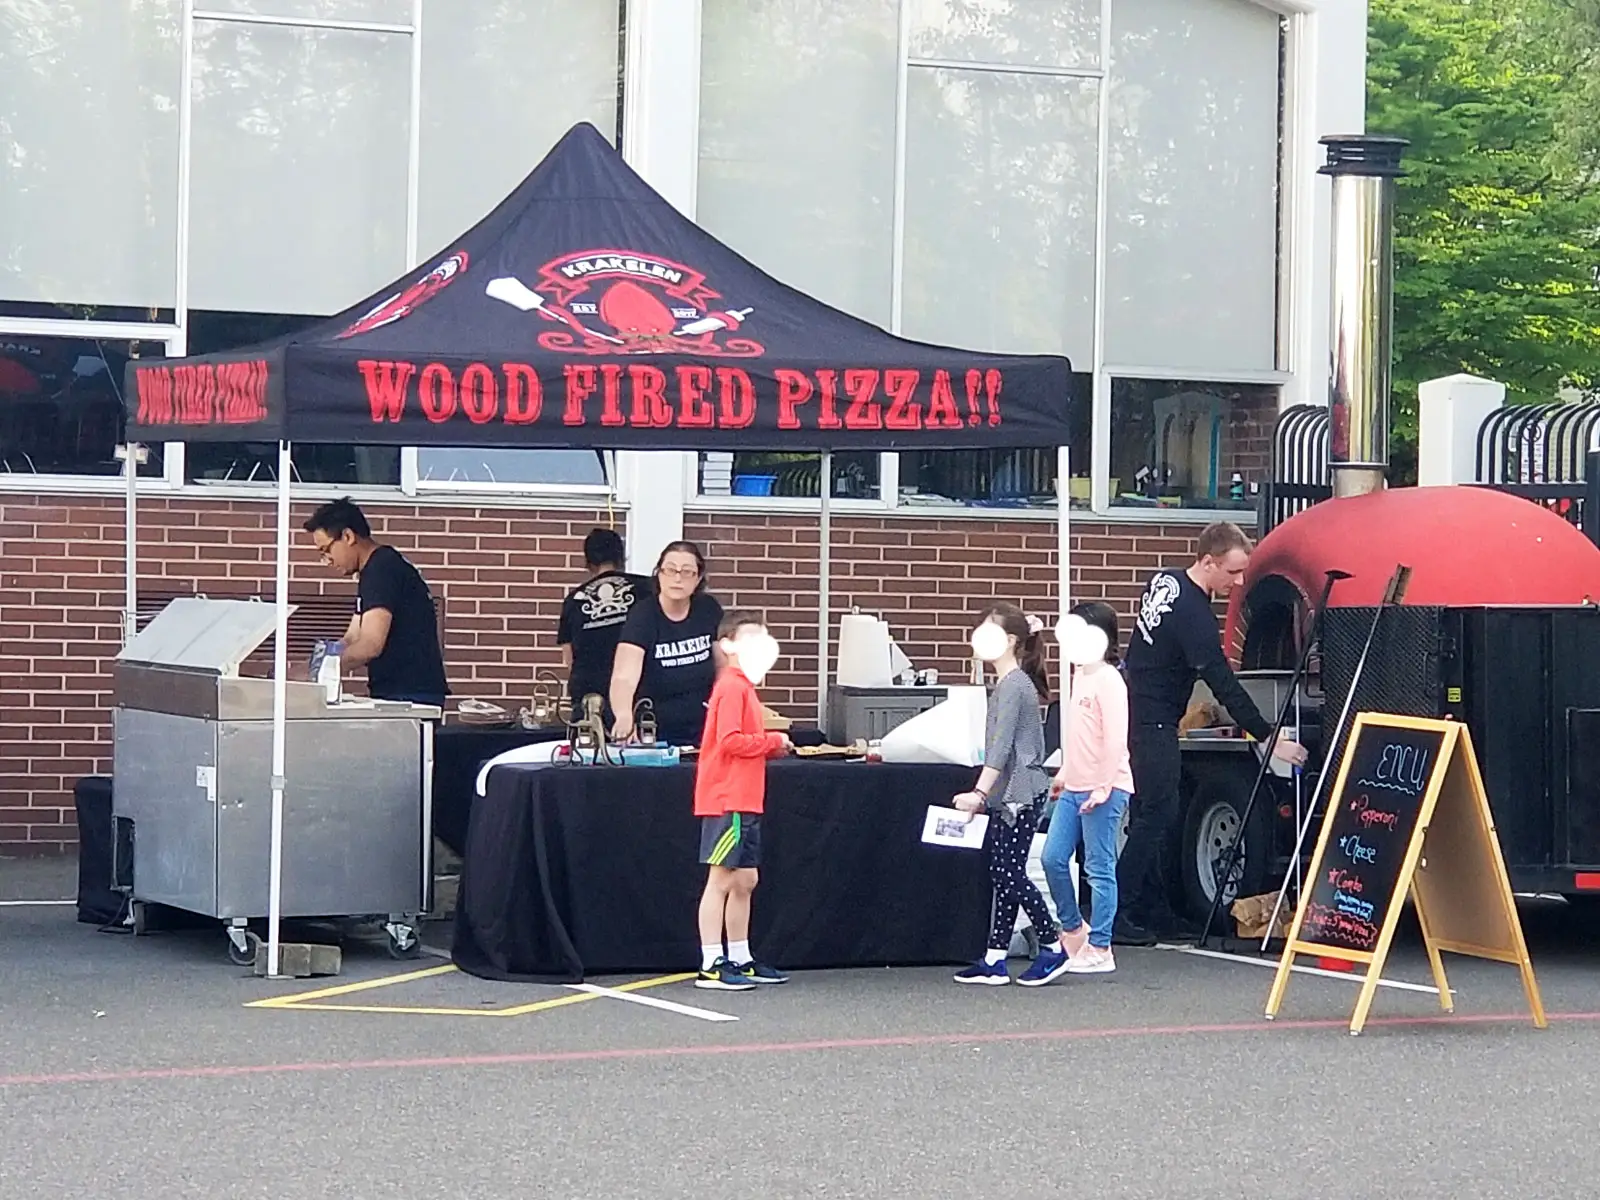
[679, 572]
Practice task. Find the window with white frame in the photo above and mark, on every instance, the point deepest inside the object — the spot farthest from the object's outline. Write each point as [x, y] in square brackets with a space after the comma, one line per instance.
[1190, 444]
[1192, 185]
[300, 201]
[61, 409]
[959, 142]
[796, 172]
[89, 142]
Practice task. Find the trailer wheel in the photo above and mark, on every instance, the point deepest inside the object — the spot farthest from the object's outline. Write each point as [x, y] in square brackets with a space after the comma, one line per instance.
[1210, 826]
[245, 955]
[403, 940]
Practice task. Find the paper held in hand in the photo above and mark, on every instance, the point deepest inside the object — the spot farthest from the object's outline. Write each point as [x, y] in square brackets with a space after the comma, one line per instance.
[951, 827]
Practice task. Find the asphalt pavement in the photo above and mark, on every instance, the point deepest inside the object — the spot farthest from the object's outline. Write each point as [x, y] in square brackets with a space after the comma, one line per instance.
[137, 1068]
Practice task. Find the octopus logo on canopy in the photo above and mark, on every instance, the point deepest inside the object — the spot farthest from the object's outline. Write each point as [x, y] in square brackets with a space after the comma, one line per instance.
[403, 303]
[623, 302]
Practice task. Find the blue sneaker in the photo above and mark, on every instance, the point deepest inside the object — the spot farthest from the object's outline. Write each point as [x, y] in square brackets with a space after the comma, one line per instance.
[992, 974]
[724, 977]
[1050, 965]
[759, 972]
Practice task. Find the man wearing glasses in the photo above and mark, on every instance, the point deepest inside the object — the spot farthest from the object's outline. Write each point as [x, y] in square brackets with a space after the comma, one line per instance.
[394, 633]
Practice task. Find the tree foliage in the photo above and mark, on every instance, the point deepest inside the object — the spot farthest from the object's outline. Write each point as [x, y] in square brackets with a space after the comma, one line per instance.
[1497, 234]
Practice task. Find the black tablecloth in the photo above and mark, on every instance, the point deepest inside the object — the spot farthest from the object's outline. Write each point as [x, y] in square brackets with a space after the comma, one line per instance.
[574, 870]
[459, 752]
[99, 903]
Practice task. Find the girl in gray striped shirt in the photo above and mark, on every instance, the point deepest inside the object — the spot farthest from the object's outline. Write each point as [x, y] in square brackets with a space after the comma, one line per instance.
[1012, 788]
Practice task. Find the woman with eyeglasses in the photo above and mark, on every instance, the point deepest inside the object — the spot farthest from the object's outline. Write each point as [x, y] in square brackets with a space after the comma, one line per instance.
[667, 651]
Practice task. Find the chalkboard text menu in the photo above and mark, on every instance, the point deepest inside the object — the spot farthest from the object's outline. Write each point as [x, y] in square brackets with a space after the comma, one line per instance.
[1374, 816]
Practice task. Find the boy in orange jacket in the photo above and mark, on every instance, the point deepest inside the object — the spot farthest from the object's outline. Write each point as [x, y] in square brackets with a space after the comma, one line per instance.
[730, 790]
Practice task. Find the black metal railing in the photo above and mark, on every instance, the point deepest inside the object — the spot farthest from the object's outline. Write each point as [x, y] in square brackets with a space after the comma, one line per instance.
[1299, 475]
[1547, 454]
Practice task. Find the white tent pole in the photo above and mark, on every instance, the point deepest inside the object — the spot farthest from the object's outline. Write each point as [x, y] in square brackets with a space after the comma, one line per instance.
[1064, 566]
[280, 707]
[130, 528]
[824, 539]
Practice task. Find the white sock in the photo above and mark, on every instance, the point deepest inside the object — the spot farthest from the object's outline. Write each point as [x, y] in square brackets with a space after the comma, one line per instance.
[739, 952]
[709, 956]
[990, 957]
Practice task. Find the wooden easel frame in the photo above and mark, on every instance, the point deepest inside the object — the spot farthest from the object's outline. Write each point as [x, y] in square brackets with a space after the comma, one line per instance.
[1455, 751]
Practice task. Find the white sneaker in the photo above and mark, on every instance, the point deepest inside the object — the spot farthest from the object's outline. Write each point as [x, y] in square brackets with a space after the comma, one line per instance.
[1092, 960]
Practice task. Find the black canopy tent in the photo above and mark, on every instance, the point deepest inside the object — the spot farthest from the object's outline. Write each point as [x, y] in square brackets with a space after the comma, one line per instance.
[585, 312]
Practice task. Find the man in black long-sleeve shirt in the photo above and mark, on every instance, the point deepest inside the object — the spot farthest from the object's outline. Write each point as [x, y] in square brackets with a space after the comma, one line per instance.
[1174, 642]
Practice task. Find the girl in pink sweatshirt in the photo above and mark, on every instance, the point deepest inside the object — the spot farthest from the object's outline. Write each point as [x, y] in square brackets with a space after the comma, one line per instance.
[1094, 786]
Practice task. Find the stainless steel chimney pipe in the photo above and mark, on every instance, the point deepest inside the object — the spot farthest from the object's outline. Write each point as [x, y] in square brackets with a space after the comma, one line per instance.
[1363, 168]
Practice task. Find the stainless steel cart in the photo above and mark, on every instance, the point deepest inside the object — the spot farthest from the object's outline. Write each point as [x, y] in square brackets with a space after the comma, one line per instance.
[192, 772]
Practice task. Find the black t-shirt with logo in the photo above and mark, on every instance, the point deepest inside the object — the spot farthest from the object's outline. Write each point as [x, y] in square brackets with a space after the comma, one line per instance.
[679, 668]
[411, 666]
[591, 622]
[1175, 641]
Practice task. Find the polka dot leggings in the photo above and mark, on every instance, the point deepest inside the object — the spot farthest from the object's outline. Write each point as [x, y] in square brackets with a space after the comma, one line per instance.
[1008, 871]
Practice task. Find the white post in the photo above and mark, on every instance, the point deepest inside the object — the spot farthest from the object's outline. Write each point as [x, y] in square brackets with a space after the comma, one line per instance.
[1063, 568]
[661, 141]
[1450, 411]
[130, 533]
[824, 540]
[280, 707]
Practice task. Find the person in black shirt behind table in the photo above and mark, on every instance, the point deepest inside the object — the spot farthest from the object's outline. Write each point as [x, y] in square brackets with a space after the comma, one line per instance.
[394, 633]
[1174, 642]
[667, 652]
[592, 617]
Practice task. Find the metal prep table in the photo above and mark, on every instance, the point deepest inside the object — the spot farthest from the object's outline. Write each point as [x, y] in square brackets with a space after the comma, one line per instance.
[192, 772]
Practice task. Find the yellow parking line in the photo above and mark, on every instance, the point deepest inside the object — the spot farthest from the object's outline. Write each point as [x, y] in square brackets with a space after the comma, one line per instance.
[307, 1000]
[345, 989]
[635, 986]
[420, 1011]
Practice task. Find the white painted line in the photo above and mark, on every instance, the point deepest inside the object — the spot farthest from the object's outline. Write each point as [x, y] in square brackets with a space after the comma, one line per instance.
[1347, 976]
[703, 1014]
[35, 903]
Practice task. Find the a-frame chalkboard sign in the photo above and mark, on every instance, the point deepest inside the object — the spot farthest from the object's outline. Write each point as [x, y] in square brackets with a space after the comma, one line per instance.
[1408, 814]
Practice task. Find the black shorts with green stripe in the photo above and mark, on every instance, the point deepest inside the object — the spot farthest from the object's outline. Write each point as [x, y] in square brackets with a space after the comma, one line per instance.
[732, 840]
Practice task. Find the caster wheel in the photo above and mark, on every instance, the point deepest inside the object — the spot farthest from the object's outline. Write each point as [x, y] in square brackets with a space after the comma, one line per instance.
[141, 918]
[247, 956]
[403, 942]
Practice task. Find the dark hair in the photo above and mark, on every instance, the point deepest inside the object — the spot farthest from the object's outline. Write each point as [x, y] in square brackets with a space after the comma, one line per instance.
[603, 546]
[334, 517]
[1104, 618]
[682, 547]
[736, 619]
[1218, 538]
[1030, 644]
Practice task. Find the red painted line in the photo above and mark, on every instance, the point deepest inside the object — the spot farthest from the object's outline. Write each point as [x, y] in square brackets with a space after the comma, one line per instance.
[914, 1040]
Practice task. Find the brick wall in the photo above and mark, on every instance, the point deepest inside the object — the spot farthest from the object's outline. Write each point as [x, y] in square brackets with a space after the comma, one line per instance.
[502, 574]
[1247, 448]
[927, 577]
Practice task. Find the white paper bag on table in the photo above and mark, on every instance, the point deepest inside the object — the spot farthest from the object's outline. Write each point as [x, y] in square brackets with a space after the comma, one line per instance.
[949, 732]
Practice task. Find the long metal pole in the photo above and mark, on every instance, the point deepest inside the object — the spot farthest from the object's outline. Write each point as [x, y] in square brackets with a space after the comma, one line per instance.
[414, 139]
[1226, 876]
[1393, 594]
[280, 707]
[1063, 570]
[130, 533]
[824, 540]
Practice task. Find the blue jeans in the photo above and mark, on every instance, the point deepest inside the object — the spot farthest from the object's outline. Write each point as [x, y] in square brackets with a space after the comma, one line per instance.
[1098, 829]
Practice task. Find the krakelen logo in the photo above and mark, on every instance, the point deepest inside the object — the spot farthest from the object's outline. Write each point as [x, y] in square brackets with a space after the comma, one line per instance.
[624, 302]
